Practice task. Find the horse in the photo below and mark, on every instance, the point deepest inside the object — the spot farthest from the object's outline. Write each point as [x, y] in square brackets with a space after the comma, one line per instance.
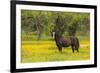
[66, 42]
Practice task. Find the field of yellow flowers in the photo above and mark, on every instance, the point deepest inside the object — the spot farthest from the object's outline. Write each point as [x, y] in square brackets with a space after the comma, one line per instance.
[46, 51]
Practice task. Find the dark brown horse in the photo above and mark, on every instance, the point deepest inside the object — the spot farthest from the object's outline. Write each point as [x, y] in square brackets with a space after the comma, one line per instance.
[66, 42]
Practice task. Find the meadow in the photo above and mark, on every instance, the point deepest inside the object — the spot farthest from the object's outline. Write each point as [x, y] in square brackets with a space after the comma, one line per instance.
[46, 51]
[37, 27]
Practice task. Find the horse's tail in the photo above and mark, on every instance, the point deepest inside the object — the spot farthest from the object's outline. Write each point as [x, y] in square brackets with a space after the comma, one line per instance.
[78, 44]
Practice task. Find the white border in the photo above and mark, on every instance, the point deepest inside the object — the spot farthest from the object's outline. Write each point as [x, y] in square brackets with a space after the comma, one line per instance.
[20, 65]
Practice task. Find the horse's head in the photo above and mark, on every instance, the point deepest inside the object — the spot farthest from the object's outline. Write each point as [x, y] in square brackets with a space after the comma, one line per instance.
[55, 35]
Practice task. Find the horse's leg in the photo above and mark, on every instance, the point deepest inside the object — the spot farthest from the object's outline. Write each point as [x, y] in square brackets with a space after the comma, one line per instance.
[77, 45]
[59, 48]
[72, 48]
[77, 49]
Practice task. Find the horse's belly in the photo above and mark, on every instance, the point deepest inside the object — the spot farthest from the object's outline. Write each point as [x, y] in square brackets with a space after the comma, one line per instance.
[65, 45]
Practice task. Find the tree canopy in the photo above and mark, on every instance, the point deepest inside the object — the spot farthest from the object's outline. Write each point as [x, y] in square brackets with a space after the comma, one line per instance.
[45, 22]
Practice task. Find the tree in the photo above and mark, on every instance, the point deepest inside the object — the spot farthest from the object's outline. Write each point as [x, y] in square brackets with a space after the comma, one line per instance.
[44, 22]
[40, 22]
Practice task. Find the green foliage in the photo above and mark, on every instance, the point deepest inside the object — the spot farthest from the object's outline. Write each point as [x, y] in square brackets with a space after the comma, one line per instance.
[42, 23]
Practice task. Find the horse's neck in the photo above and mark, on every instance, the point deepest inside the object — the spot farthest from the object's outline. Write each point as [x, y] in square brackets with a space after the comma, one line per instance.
[57, 39]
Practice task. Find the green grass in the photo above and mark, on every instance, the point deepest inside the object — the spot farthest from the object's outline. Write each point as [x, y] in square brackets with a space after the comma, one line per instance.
[46, 51]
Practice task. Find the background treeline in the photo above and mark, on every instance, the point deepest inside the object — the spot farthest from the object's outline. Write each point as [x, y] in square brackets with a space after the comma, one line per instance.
[41, 24]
